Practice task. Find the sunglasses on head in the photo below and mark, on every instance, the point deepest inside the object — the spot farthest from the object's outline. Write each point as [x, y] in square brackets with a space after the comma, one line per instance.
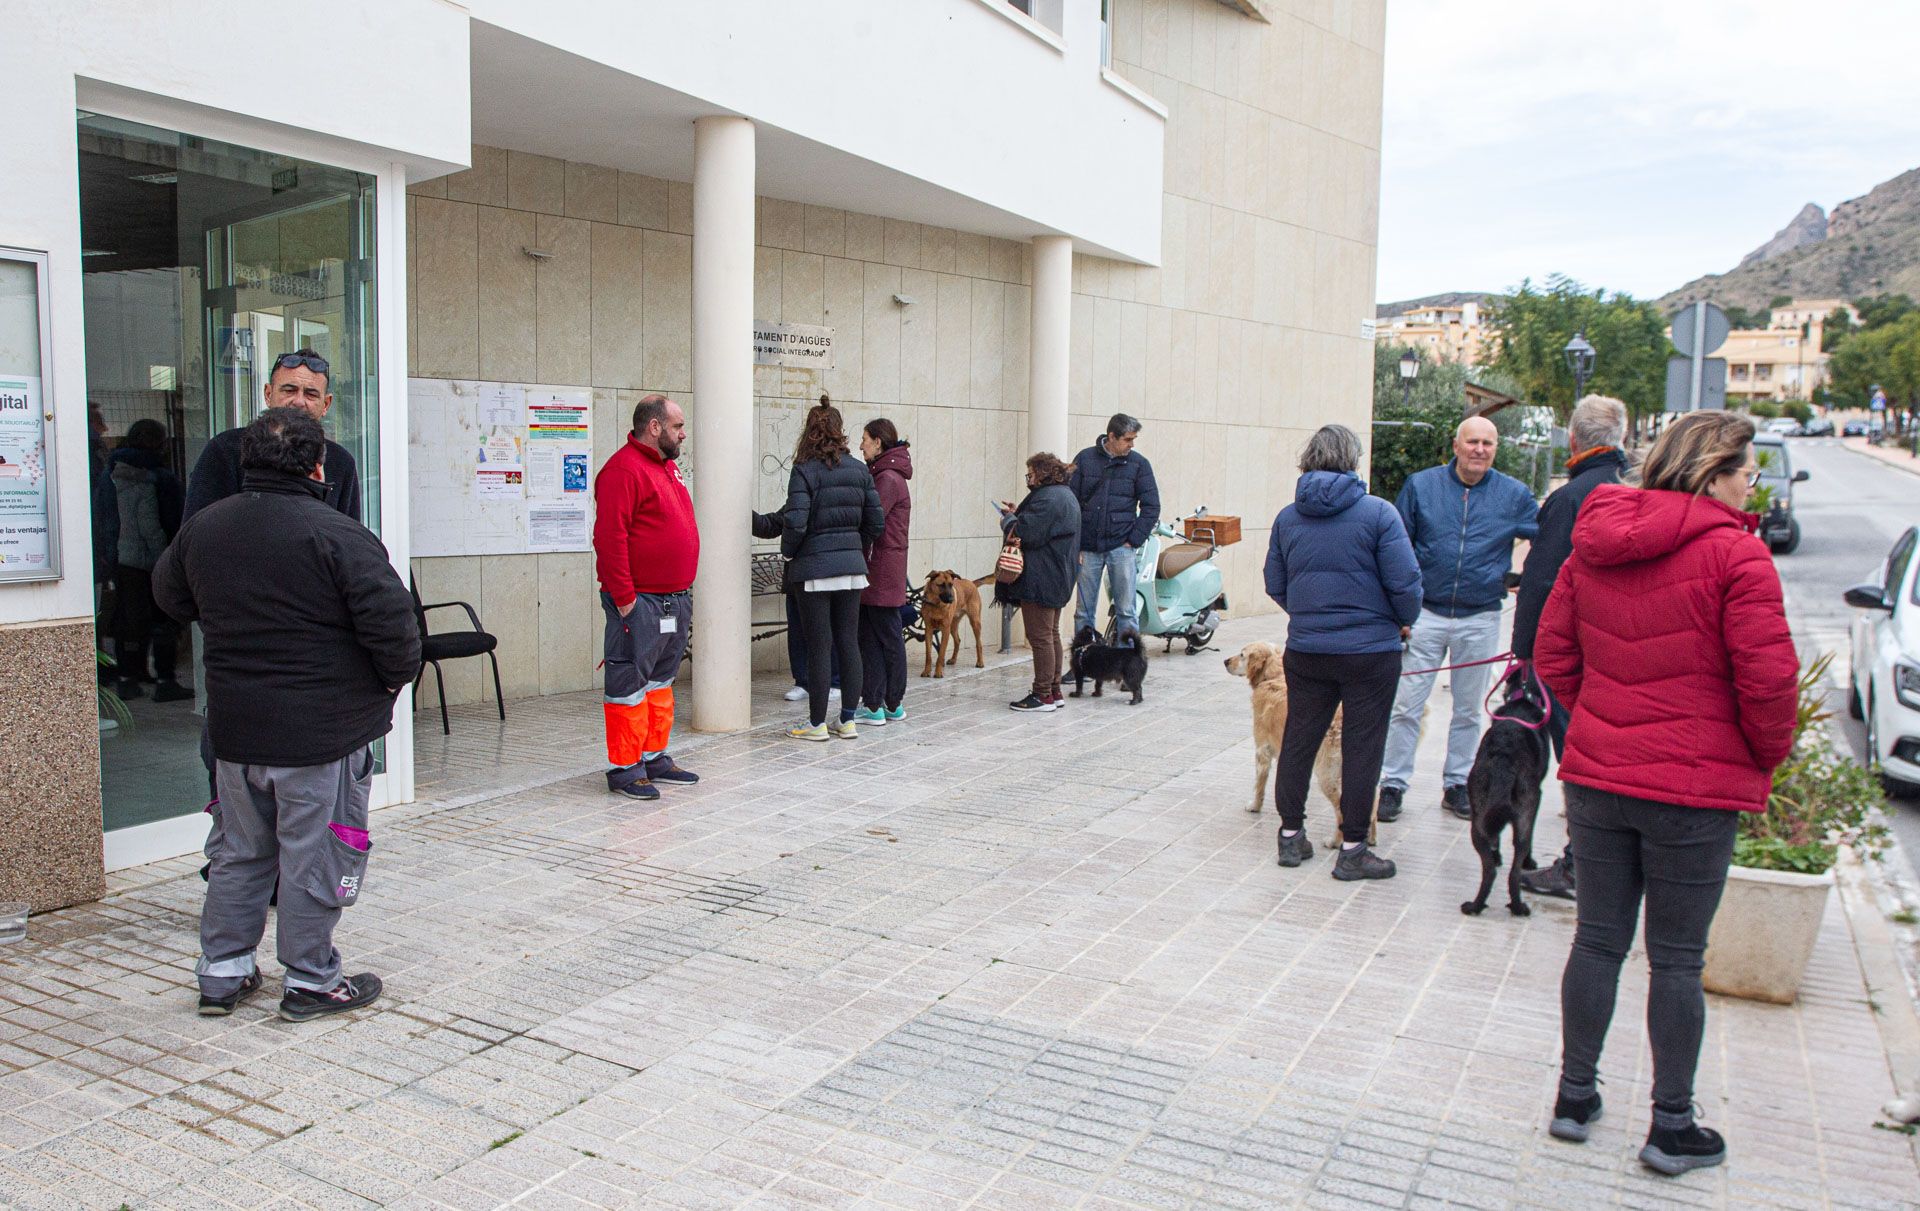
[312, 361]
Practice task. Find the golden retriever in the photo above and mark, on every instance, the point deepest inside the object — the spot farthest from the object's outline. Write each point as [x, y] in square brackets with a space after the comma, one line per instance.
[1260, 664]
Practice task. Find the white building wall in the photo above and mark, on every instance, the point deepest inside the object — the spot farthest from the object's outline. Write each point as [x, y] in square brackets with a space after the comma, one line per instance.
[400, 96]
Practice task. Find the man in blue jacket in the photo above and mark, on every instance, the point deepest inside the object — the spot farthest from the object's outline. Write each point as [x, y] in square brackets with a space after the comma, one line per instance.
[1463, 518]
[1119, 506]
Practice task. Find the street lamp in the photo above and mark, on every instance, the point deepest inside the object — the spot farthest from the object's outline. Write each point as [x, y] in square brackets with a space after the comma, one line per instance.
[1579, 355]
[1409, 370]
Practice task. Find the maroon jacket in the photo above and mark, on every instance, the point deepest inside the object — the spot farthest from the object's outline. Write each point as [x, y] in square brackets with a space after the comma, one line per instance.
[887, 558]
[1666, 637]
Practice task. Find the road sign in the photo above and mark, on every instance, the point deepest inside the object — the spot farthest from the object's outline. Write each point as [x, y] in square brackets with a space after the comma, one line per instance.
[1713, 383]
[1701, 319]
[1879, 401]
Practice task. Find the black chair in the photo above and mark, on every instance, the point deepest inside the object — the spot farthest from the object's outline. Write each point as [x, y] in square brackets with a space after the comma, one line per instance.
[452, 645]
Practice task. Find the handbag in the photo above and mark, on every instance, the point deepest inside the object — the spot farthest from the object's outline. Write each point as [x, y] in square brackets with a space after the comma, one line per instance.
[1011, 563]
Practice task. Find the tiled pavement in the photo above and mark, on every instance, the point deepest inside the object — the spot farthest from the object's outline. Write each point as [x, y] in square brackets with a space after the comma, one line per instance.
[979, 960]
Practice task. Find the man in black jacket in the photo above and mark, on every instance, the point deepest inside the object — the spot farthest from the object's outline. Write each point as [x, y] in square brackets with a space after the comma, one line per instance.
[298, 380]
[309, 636]
[1595, 433]
[1119, 506]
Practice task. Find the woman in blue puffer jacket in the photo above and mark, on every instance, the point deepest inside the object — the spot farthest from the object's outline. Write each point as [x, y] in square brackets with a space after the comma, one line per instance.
[1339, 563]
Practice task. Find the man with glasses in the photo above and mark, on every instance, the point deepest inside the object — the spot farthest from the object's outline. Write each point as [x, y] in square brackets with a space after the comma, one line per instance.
[301, 380]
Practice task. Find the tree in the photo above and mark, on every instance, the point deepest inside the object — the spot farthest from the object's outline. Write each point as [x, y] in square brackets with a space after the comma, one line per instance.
[1412, 436]
[1779, 300]
[1887, 356]
[1531, 327]
[1740, 317]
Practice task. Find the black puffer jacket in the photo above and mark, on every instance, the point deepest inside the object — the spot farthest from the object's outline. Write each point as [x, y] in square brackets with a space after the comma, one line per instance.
[1047, 523]
[833, 514]
[309, 631]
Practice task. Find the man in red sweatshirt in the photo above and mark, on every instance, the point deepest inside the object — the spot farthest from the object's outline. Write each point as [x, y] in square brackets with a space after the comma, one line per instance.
[646, 548]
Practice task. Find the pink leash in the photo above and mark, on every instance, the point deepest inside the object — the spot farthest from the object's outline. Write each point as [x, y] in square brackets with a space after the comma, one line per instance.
[1536, 689]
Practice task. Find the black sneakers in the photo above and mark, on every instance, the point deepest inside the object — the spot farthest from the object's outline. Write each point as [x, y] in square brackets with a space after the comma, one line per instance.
[1295, 849]
[1389, 808]
[1033, 702]
[1674, 1151]
[301, 1005]
[1454, 799]
[1360, 862]
[662, 769]
[1573, 1117]
[220, 1007]
[1556, 880]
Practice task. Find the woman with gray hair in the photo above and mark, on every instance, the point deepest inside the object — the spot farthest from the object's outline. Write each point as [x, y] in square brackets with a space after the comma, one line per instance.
[1341, 566]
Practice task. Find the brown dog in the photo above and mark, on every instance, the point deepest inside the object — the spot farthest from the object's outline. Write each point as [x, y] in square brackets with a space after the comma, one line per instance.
[1260, 664]
[949, 598]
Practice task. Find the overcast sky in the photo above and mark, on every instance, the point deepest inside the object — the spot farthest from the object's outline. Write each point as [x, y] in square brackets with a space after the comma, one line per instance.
[1633, 145]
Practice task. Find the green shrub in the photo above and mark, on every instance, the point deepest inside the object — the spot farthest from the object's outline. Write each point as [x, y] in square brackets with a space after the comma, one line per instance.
[1798, 409]
[1763, 409]
[1820, 799]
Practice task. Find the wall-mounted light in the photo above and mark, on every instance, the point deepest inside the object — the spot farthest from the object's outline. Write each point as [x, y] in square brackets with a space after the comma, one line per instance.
[905, 300]
[538, 254]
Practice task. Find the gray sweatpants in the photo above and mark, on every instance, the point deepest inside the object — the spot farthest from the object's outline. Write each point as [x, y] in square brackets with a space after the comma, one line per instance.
[304, 825]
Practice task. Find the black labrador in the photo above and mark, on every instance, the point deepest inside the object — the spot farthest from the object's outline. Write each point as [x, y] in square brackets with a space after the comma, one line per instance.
[1504, 787]
[1121, 663]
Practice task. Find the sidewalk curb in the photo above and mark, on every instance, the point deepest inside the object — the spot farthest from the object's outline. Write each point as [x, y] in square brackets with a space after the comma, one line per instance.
[1888, 991]
[1911, 466]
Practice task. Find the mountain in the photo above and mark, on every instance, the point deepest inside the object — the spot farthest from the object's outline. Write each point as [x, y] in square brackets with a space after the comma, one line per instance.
[1871, 245]
[1386, 311]
[1808, 227]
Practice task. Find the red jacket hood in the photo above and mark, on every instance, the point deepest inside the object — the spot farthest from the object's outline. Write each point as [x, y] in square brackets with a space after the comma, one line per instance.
[894, 458]
[1622, 525]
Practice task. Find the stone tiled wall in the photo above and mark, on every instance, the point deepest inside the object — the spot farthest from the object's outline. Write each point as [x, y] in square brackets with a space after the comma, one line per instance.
[1238, 345]
[611, 310]
[50, 786]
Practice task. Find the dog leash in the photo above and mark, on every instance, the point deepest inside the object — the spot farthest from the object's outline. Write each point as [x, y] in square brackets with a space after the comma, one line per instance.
[1533, 690]
[1467, 664]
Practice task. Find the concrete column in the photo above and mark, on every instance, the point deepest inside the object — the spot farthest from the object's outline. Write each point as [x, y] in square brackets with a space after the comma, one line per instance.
[721, 421]
[1052, 313]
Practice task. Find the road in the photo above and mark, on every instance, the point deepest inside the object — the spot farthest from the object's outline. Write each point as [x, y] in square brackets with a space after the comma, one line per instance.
[1851, 510]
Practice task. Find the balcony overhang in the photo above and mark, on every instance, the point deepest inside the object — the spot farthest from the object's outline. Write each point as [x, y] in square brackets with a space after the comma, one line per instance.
[893, 144]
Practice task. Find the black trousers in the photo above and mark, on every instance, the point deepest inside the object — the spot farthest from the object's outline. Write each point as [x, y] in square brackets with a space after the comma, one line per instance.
[1364, 683]
[831, 623]
[883, 658]
[1675, 860]
[138, 622]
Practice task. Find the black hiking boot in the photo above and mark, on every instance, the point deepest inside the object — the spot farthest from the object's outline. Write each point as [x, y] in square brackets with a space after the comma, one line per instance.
[1573, 1117]
[1295, 849]
[1677, 1150]
[1556, 880]
[1389, 808]
[1360, 862]
[662, 769]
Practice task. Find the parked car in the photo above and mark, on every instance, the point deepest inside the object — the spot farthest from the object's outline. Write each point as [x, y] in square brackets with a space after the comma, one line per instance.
[1854, 428]
[1819, 426]
[1883, 683]
[1779, 528]
[1783, 425]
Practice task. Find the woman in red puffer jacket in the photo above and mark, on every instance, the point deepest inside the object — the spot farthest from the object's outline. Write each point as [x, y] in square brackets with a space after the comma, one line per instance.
[1666, 637]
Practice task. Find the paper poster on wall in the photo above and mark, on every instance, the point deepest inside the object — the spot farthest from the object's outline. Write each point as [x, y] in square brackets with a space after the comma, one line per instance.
[486, 458]
[558, 525]
[24, 544]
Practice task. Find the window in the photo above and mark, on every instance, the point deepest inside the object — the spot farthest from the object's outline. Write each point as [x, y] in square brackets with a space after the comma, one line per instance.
[1739, 374]
[1763, 373]
[1897, 565]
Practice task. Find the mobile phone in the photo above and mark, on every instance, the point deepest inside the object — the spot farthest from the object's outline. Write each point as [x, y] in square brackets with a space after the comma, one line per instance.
[997, 506]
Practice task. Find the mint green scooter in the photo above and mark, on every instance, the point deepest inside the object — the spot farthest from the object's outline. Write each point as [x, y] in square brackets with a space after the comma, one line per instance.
[1177, 587]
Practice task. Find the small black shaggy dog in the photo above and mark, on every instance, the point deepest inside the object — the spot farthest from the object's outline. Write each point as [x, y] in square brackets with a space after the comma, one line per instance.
[1504, 787]
[1120, 663]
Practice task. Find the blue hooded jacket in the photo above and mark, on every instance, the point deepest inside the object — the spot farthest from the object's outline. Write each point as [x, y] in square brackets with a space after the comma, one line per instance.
[1463, 536]
[1340, 565]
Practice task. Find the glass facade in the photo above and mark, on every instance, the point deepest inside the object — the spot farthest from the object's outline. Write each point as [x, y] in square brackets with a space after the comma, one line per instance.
[202, 262]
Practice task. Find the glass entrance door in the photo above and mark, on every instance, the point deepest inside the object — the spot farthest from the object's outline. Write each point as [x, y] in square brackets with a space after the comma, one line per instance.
[203, 261]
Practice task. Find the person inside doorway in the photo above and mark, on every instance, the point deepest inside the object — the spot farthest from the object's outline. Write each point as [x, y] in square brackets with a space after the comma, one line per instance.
[301, 379]
[138, 513]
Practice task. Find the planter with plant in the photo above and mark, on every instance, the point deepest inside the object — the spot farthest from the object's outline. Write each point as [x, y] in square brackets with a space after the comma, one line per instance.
[1783, 858]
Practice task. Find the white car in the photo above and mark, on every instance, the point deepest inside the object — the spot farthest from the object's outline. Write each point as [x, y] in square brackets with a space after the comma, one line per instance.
[1884, 682]
[1785, 426]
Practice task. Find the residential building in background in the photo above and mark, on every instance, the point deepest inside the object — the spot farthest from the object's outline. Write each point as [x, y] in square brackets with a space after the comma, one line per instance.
[503, 222]
[1453, 333]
